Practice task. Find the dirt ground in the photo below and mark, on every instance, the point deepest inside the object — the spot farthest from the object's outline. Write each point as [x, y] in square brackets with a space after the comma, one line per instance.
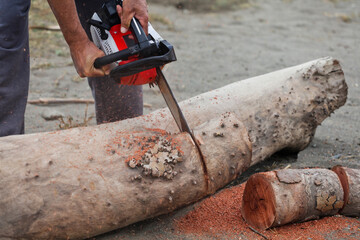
[213, 50]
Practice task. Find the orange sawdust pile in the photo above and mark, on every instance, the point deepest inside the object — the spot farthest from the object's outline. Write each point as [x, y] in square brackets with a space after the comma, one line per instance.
[139, 142]
[219, 215]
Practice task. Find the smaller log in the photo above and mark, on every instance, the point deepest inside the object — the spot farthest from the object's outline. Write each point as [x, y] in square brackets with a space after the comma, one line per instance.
[276, 198]
[350, 181]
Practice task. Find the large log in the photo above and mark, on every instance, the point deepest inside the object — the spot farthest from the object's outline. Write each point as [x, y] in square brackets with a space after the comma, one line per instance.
[79, 183]
[82, 182]
[281, 110]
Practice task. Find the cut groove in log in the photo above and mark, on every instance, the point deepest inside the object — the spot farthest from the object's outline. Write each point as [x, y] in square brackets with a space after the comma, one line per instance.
[276, 198]
[226, 130]
[340, 171]
[350, 181]
[82, 182]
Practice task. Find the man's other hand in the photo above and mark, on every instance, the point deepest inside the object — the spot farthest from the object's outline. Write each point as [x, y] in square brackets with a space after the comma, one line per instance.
[130, 9]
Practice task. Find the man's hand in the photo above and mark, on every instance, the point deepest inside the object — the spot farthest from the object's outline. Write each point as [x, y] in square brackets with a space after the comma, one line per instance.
[130, 9]
[84, 54]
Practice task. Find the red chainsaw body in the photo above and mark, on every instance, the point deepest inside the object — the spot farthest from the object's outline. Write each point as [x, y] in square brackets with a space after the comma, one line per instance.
[122, 41]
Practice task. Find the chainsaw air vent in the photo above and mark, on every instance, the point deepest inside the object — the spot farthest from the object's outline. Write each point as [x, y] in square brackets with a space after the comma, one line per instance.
[107, 49]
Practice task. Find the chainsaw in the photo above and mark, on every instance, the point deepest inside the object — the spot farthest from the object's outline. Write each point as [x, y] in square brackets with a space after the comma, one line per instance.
[135, 58]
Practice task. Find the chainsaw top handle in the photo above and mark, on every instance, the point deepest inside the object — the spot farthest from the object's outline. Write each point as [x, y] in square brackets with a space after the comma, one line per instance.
[144, 47]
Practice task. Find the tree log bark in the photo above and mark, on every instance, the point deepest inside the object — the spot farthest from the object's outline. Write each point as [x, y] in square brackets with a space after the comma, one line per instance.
[276, 198]
[281, 110]
[350, 181]
[81, 182]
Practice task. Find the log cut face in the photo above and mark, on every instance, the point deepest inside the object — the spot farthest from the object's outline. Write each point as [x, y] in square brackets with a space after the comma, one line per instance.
[84, 182]
[280, 197]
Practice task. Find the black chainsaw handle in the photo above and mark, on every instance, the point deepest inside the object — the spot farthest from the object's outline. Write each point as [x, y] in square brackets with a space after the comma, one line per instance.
[138, 31]
[121, 55]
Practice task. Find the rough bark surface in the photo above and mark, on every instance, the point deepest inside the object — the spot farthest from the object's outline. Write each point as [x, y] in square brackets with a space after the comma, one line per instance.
[276, 198]
[222, 164]
[350, 180]
[281, 110]
[82, 182]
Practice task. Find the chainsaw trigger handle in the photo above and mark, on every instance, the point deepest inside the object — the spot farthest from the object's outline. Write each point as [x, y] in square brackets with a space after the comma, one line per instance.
[164, 54]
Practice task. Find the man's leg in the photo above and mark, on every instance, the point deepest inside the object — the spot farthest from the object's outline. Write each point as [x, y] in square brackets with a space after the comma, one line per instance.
[14, 65]
[113, 102]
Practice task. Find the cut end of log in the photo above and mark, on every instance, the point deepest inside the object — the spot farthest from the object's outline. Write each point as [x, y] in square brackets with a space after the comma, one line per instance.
[259, 202]
[340, 171]
[276, 198]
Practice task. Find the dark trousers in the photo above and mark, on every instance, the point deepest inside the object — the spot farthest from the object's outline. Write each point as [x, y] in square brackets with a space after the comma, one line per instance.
[113, 102]
[14, 65]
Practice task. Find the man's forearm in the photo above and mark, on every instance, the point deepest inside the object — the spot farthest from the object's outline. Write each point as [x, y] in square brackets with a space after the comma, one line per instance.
[83, 51]
[66, 15]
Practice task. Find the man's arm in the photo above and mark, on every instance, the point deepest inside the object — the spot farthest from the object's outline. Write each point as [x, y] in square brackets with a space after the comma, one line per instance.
[83, 51]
